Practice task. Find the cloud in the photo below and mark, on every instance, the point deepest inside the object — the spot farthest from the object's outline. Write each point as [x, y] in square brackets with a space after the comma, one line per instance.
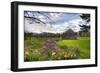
[74, 24]
[63, 22]
[39, 28]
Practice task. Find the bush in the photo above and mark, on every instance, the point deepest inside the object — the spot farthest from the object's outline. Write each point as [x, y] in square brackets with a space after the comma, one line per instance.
[65, 53]
[70, 52]
[39, 49]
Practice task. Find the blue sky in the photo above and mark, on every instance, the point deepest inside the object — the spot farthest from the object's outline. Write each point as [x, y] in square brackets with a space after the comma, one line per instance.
[55, 22]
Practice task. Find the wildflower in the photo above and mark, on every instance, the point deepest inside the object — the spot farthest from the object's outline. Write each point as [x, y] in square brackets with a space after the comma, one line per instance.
[59, 58]
[65, 56]
[36, 50]
[53, 53]
[27, 53]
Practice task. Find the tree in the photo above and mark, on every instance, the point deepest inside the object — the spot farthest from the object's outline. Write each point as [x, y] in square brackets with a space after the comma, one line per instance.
[69, 34]
[85, 28]
[44, 19]
[85, 17]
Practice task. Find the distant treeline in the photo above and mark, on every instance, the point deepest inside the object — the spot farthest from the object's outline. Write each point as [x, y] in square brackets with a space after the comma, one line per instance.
[69, 34]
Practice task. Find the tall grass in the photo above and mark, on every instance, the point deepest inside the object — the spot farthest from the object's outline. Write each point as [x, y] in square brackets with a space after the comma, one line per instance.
[36, 50]
[83, 45]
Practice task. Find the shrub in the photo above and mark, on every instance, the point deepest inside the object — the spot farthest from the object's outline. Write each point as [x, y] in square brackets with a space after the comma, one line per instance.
[70, 52]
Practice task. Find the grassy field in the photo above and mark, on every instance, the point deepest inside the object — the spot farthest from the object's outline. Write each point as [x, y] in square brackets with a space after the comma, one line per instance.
[83, 44]
[65, 49]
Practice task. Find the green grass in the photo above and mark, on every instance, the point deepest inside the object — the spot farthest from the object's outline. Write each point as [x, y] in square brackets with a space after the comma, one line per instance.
[33, 42]
[83, 44]
[83, 38]
[34, 49]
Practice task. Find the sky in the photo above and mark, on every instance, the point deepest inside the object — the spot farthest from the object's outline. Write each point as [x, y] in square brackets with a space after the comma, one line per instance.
[54, 22]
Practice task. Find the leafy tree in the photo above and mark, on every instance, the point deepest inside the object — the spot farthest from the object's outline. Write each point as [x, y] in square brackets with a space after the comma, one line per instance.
[85, 27]
[85, 17]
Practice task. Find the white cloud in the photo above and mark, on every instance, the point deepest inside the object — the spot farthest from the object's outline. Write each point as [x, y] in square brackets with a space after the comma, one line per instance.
[63, 22]
[55, 15]
[38, 28]
[74, 24]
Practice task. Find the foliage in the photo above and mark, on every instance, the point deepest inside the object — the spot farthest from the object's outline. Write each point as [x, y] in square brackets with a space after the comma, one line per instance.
[85, 29]
[85, 17]
[69, 34]
[39, 55]
[42, 49]
[82, 43]
[84, 34]
[33, 43]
